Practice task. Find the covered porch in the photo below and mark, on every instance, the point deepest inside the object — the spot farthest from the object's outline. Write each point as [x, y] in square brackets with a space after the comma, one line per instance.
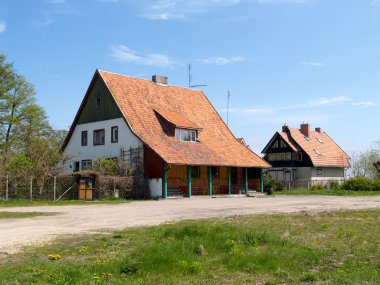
[192, 180]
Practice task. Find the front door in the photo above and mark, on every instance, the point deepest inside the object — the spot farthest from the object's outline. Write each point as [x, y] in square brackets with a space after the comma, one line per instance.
[86, 189]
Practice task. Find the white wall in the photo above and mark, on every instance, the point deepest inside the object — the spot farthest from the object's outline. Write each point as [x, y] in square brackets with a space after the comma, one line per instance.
[77, 152]
[308, 173]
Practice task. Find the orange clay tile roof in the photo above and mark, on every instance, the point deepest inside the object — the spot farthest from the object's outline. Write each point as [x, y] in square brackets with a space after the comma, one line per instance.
[330, 153]
[138, 99]
[178, 120]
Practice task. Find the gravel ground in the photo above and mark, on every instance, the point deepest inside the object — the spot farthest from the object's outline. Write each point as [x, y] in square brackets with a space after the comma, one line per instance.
[16, 233]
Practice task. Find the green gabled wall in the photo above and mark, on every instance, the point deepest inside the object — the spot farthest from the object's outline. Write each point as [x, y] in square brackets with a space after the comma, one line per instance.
[108, 109]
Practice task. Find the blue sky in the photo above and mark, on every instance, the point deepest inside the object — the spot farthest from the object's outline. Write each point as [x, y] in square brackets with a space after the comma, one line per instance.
[283, 61]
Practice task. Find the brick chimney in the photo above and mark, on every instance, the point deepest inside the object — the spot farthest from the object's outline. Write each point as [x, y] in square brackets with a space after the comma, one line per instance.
[161, 80]
[318, 130]
[305, 129]
[284, 128]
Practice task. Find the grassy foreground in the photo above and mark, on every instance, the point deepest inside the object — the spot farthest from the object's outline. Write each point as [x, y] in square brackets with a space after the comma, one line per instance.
[327, 248]
[18, 215]
[27, 203]
[328, 192]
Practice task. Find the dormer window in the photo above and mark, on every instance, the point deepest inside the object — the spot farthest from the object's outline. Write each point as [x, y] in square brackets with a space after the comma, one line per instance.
[186, 135]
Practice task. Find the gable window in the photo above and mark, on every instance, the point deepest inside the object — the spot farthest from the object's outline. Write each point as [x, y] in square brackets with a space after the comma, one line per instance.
[98, 103]
[275, 145]
[86, 164]
[84, 138]
[319, 171]
[114, 134]
[283, 145]
[186, 135]
[99, 137]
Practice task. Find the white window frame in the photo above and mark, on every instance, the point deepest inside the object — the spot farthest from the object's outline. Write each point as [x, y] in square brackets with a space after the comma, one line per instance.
[186, 135]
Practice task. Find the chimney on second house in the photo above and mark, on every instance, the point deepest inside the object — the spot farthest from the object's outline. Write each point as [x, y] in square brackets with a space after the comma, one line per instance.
[284, 128]
[305, 129]
[161, 80]
[318, 130]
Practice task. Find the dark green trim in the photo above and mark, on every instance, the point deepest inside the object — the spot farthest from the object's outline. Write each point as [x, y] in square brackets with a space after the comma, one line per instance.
[246, 179]
[209, 181]
[165, 181]
[229, 180]
[189, 180]
[261, 181]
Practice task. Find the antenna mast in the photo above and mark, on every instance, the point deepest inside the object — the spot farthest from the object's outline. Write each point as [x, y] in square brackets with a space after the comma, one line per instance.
[228, 104]
[196, 85]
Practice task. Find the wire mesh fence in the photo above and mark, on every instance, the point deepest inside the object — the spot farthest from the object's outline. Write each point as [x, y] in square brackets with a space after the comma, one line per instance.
[62, 187]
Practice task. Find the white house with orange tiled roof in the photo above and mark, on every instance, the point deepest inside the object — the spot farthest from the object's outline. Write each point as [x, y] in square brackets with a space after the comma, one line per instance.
[174, 133]
[303, 155]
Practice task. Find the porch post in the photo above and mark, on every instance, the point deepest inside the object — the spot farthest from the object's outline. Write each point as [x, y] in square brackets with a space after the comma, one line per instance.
[229, 180]
[209, 181]
[261, 181]
[246, 180]
[189, 180]
[165, 181]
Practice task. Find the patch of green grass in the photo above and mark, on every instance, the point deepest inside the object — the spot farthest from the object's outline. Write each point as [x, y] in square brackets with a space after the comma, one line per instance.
[17, 215]
[325, 248]
[26, 203]
[327, 192]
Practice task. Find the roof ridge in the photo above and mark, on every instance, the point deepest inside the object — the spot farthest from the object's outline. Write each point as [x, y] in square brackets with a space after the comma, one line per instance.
[134, 77]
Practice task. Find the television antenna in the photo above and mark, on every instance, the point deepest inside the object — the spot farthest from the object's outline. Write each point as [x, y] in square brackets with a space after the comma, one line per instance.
[194, 85]
[228, 104]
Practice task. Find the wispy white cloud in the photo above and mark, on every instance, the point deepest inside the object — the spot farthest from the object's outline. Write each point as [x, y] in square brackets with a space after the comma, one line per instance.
[123, 53]
[328, 101]
[320, 102]
[3, 26]
[221, 60]
[364, 104]
[313, 63]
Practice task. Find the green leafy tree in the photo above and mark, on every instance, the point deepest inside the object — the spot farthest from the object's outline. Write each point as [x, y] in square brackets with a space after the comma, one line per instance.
[363, 163]
[28, 144]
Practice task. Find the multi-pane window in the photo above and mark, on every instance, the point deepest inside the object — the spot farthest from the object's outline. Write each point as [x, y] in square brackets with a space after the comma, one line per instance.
[99, 137]
[186, 135]
[84, 138]
[280, 156]
[114, 134]
[86, 164]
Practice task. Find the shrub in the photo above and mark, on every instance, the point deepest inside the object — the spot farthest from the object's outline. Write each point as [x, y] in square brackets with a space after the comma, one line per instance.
[333, 184]
[269, 184]
[317, 187]
[361, 184]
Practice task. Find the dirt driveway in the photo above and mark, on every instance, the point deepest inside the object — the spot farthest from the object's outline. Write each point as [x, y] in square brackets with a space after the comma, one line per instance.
[15, 233]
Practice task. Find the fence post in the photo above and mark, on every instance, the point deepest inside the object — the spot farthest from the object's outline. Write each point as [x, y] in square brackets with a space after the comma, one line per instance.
[54, 186]
[308, 184]
[6, 188]
[31, 189]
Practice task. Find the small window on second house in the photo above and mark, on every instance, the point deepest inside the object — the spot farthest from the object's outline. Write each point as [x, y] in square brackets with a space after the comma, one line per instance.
[114, 134]
[299, 156]
[319, 171]
[99, 137]
[84, 138]
[186, 135]
[86, 164]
